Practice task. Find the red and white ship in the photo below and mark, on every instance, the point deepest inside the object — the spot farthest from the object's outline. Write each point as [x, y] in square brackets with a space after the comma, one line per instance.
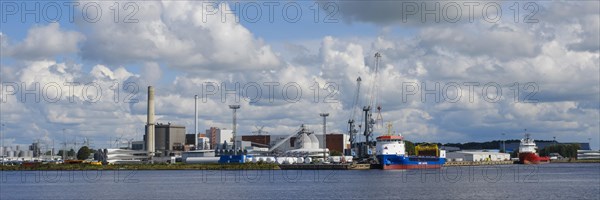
[528, 152]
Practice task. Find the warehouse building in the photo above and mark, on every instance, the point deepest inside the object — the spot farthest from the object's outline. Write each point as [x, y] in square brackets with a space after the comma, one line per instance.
[169, 139]
[477, 156]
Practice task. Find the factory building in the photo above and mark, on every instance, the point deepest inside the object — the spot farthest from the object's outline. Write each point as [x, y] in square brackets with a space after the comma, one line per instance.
[258, 140]
[138, 145]
[169, 139]
[218, 136]
[477, 156]
[335, 141]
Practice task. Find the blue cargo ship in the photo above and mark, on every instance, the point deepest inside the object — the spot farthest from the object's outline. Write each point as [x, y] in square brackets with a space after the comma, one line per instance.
[391, 155]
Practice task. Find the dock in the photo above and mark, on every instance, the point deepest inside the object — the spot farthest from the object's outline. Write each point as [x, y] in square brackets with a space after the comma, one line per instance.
[339, 166]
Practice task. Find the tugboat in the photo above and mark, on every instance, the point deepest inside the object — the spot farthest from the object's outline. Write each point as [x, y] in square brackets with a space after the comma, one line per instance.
[391, 154]
[528, 152]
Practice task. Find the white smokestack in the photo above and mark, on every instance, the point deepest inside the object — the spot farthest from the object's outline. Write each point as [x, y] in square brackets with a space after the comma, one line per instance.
[150, 122]
[196, 121]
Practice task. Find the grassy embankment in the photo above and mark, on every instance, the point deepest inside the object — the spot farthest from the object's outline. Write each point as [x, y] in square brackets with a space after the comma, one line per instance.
[245, 166]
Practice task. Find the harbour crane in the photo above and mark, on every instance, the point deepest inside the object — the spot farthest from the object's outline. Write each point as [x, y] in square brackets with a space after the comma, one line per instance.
[351, 126]
[368, 116]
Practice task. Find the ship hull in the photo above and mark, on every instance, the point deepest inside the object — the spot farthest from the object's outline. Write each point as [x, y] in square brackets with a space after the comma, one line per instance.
[410, 162]
[532, 158]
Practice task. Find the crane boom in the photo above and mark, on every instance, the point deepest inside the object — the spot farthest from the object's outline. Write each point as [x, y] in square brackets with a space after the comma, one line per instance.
[351, 127]
[355, 101]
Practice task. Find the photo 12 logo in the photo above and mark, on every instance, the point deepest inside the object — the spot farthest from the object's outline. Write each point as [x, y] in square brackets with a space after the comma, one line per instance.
[55, 11]
[127, 11]
[467, 11]
[270, 11]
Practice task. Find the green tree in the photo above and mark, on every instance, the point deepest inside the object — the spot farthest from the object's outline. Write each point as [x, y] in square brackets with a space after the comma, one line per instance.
[84, 153]
[71, 153]
[566, 150]
[335, 153]
[409, 147]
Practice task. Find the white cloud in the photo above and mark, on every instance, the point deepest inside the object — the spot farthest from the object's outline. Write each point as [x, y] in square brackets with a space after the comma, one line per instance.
[46, 42]
[176, 33]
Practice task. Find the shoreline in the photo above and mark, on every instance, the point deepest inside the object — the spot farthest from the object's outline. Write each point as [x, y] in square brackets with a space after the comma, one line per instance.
[244, 166]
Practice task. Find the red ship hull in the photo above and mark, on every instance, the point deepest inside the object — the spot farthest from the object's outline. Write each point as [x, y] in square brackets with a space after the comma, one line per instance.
[532, 158]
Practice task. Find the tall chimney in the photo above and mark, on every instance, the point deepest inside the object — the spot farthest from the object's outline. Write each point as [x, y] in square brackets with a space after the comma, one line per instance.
[150, 123]
[196, 121]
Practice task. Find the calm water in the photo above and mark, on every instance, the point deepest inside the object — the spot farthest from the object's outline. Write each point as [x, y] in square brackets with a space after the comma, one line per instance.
[549, 181]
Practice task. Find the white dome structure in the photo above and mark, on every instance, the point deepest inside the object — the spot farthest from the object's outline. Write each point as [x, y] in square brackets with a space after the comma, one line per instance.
[305, 141]
[315, 142]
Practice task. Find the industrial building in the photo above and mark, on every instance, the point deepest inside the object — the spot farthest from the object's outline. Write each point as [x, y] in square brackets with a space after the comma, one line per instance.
[218, 136]
[169, 139]
[477, 156]
[588, 155]
[258, 140]
[335, 141]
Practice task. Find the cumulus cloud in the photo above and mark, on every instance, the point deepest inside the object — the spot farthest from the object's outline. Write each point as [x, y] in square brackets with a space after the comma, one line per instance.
[178, 34]
[46, 42]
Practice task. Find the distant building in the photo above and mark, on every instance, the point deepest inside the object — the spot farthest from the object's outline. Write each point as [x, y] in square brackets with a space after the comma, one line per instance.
[218, 136]
[138, 145]
[258, 140]
[449, 148]
[169, 139]
[588, 155]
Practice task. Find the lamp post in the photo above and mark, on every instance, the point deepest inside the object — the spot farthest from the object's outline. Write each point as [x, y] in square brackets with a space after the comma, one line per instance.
[324, 115]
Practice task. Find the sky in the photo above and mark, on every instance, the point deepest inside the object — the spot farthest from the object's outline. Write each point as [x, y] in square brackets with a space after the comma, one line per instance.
[449, 71]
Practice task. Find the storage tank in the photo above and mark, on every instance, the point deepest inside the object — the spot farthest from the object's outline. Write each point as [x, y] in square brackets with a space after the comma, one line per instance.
[270, 159]
[289, 160]
[335, 159]
[280, 160]
[201, 160]
[2, 151]
[10, 153]
[21, 154]
[29, 154]
[307, 160]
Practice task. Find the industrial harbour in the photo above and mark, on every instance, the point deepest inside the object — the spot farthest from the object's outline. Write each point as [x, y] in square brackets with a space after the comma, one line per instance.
[167, 146]
[310, 99]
